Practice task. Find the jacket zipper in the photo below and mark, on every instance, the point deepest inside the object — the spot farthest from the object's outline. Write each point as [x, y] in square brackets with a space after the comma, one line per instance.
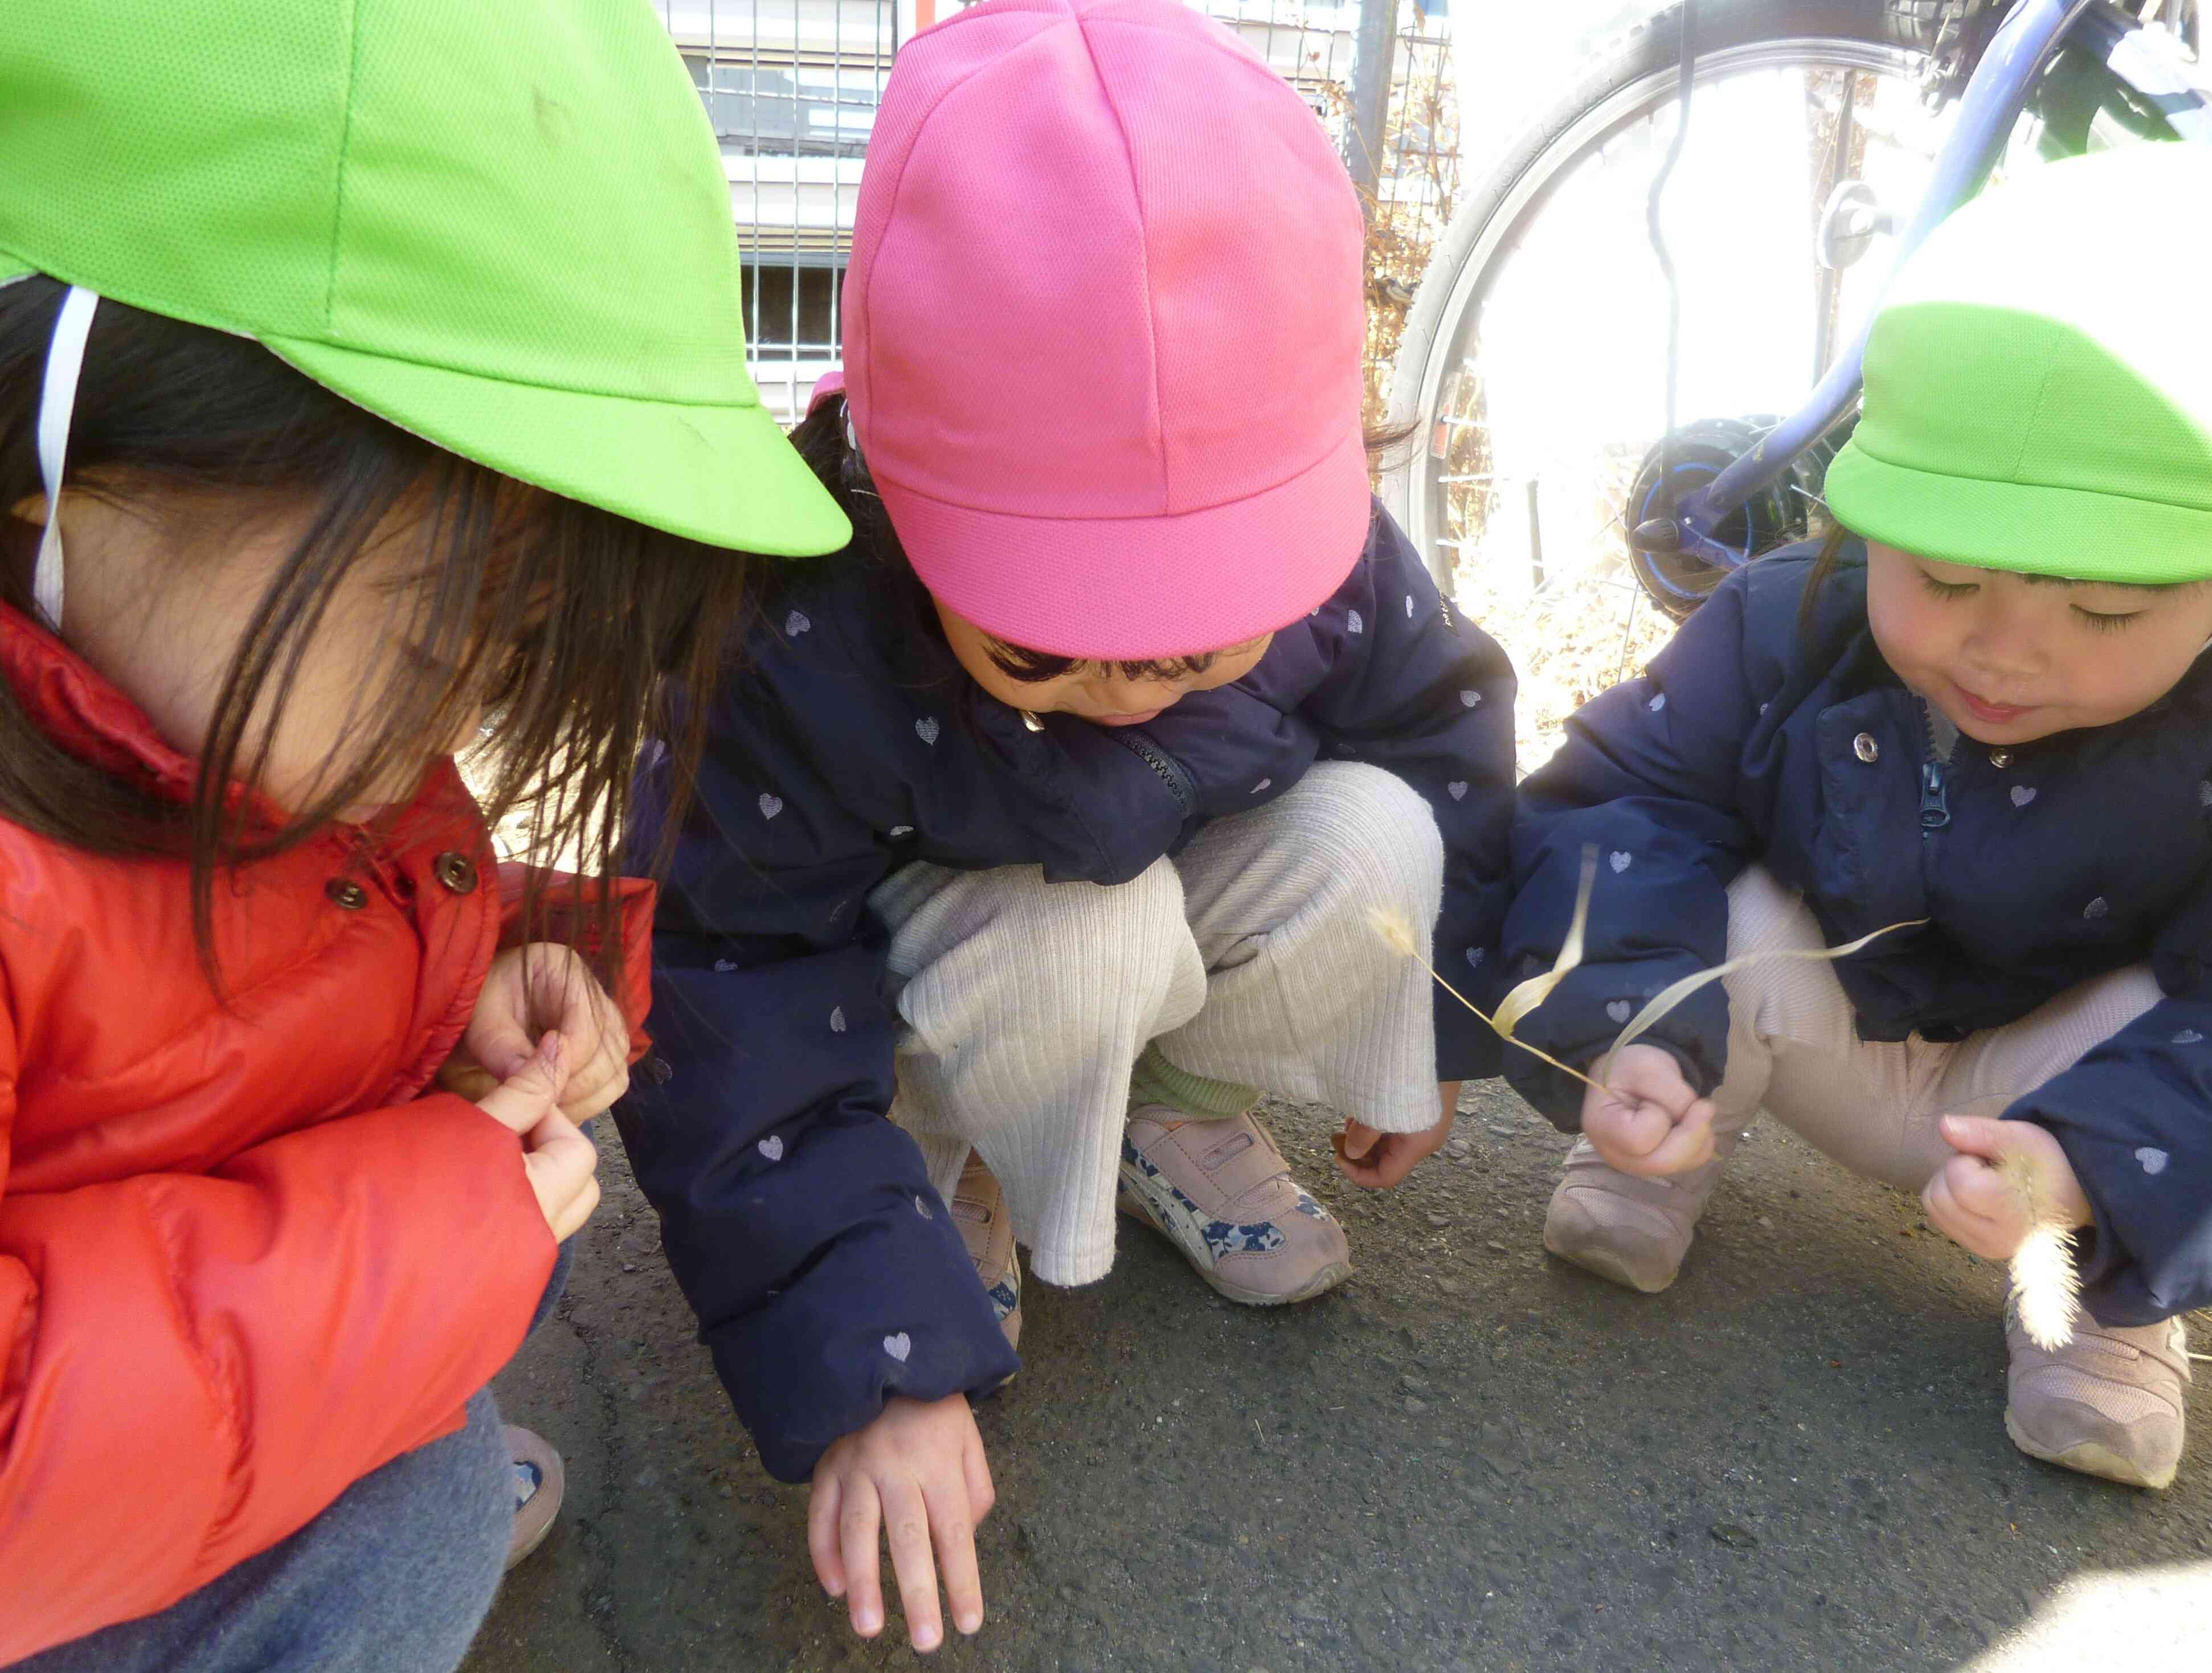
[1164, 767]
[1935, 805]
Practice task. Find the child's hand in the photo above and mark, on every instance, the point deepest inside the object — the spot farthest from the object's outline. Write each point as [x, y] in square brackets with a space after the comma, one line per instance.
[918, 1474]
[1380, 1161]
[563, 1165]
[527, 990]
[1969, 1202]
[1649, 1122]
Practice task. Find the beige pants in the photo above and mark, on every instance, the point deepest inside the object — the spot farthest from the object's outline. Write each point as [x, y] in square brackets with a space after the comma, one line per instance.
[1248, 958]
[1794, 1049]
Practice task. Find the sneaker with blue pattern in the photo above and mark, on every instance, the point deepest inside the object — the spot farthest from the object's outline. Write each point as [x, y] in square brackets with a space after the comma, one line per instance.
[1222, 1193]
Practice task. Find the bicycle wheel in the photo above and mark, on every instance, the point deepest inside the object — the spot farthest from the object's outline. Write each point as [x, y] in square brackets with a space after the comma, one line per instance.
[1533, 358]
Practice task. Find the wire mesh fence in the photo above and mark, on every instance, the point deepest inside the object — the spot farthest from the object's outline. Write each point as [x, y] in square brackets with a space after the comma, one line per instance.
[792, 88]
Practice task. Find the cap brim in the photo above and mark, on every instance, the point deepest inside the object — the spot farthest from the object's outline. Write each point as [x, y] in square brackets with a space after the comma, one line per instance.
[2036, 530]
[1133, 588]
[723, 475]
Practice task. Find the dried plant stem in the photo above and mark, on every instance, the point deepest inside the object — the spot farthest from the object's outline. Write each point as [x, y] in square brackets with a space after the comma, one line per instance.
[1393, 928]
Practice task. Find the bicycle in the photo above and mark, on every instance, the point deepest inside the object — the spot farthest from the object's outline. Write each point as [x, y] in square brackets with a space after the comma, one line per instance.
[2014, 81]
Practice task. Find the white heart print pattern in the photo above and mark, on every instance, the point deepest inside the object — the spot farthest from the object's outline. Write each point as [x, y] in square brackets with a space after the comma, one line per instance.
[899, 1347]
[926, 729]
[1261, 785]
[2097, 908]
[1409, 606]
[1475, 958]
[2153, 1158]
[837, 1020]
[2204, 793]
[2188, 1037]
[922, 1208]
[1620, 1010]
[1657, 702]
[770, 806]
[1468, 699]
[771, 1147]
[1352, 624]
[723, 966]
[796, 623]
[2022, 795]
[1457, 789]
[1618, 861]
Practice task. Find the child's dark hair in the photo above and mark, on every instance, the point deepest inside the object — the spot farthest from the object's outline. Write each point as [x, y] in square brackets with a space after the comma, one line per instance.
[564, 622]
[820, 441]
[1826, 562]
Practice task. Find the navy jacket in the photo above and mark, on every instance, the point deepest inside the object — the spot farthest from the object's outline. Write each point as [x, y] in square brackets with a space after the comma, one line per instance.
[849, 743]
[2040, 866]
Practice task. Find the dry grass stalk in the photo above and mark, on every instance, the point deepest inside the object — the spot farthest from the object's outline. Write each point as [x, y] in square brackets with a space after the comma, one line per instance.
[1675, 992]
[1397, 934]
[2044, 1284]
[1526, 996]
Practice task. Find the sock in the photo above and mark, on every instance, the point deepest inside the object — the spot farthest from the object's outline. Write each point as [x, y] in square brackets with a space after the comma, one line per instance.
[1156, 1080]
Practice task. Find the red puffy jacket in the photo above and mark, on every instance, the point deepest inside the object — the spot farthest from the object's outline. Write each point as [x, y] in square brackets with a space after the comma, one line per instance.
[244, 1258]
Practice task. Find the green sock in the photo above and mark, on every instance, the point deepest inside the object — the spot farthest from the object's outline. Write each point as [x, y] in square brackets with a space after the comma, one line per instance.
[1156, 1080]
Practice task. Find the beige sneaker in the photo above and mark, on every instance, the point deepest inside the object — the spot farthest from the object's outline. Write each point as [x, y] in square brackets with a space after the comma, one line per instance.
[979, 1208]
[538, 1482]
[1634, 1231]
[2112, 1402]
[1222, 1193]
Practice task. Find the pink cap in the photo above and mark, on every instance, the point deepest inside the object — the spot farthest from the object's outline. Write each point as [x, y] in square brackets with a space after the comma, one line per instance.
[1103, 329]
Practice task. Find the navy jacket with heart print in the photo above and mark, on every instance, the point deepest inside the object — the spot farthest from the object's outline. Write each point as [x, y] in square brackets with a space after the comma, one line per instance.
[825, 1275]
[2039, 866]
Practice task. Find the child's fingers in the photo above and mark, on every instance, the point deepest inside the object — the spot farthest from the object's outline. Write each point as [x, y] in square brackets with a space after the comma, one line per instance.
[1975, 1135]
[952, 1527]
[821, 1532]
[859, 1522]
[906, 1520]
[563, 1168]
[527, 1096]
[1969, 1231]
[1358, 1139]
[983, 1494]
[1977, 1187]
[1622, 1129]
[1689, 1144]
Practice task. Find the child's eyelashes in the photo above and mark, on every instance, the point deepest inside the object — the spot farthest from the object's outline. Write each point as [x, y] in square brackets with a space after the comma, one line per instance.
[2105, 621]
[1946, 589]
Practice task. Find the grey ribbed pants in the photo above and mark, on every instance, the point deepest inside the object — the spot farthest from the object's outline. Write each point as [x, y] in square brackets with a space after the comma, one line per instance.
[1248, 958]
[1874, 1104]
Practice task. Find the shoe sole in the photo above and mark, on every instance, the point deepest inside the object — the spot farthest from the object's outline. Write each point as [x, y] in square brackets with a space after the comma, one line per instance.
[2090, 1458]
[1605, 1264]
[1132, 1202]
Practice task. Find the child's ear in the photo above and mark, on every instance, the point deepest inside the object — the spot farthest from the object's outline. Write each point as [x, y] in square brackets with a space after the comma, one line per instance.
[31, 509]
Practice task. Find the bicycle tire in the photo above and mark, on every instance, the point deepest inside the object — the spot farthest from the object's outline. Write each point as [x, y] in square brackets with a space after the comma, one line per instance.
[1902, 31]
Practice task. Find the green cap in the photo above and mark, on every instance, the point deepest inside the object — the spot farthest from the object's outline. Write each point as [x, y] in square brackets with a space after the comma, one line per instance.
[500, 224]
[2039, 382]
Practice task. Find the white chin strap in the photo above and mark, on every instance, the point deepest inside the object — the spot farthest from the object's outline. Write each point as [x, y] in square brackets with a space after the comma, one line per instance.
[57, 402]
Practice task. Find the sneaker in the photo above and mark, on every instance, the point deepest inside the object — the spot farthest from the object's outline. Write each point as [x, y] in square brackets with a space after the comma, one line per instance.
[1633, 1231]
[1222, 1193]
[539, 1479]
[979, 1208]
[2111, 1402]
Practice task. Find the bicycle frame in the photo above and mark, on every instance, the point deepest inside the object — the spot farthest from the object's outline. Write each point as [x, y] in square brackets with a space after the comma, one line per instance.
[1992, 102]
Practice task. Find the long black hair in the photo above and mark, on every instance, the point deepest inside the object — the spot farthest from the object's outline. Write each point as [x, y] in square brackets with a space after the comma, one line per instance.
[563, 622]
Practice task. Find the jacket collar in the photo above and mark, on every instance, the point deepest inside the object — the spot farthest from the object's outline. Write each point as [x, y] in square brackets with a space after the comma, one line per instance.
[73, 704]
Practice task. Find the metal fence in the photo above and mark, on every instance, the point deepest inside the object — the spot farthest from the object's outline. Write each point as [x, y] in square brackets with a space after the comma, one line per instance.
[791, 86]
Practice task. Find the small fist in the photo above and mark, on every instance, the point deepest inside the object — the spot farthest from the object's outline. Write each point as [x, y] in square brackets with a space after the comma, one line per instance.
[1646, 1120]
[2006, 1176]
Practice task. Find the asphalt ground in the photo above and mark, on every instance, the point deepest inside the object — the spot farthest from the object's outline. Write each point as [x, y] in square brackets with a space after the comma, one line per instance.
[1468, 1456]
